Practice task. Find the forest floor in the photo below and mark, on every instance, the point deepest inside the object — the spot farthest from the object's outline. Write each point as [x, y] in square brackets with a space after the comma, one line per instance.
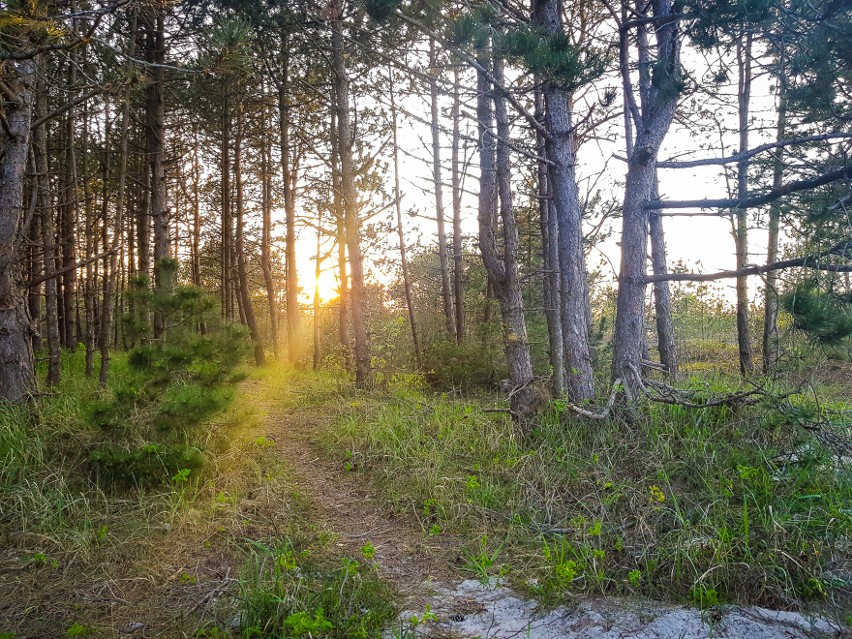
[297, 482]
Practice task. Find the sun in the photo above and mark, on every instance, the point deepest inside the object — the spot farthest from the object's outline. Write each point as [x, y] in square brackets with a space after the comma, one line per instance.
[327, 286]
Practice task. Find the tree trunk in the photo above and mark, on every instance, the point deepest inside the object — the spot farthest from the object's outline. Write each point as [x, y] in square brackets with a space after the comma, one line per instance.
[91, 226]
[67, 228]
[195, 249]
[242, 270]
[341, 240]
[111, 277]
[17, 363]
[443, 257]
[317, 307]
[287, 174]
[155, 130]
[398, 204]
[458, 256]
[562, 187]
[771, 343]
[358, 293]
[266, 243]
[743, 99]
[656, 120]
[227, 225]
[550, 262]
[666, 343]
[494, 178]
[35, 267]
[143, 220]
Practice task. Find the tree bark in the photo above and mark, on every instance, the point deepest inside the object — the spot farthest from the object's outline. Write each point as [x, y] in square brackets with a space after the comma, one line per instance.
[744, 46]
[227, 223]
[317, 307]
[17, 363]
[155, 133]
[494, 179]
[562, 183]
[771, 342]
[91, 226]
[443, 257]
[242, 270]
[111, 277]
[67, 228]
[287, 174]
[656, 120]
[339, 215]
[458, 256]
[358, 293]
[666, 344]
[266, 243]
[550, 262]
[195, 249]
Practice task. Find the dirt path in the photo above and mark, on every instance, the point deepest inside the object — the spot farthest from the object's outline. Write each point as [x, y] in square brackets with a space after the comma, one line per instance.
[344, 503]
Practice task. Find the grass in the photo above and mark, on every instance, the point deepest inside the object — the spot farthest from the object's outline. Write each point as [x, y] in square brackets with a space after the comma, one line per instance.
[192, 556]
[291, 592]
[697, 505]
[704, 506]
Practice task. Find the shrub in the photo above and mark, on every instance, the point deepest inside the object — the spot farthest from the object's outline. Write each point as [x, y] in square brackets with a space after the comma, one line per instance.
[174, 384]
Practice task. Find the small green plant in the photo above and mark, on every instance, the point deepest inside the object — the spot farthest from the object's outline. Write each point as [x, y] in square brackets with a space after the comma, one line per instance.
[426, 617]
[704, 597]
[287, 592]
[481, 561]
[181, 476]
[78, 630]
[635, 577]
[368, 551]
[187, 579]
[301, 624]
[562, 568]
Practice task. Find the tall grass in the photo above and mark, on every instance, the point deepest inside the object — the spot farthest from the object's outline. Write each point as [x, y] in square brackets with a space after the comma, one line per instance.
[702, 504]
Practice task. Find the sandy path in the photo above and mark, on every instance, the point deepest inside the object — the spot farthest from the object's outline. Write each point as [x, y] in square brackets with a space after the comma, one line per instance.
[344, 503]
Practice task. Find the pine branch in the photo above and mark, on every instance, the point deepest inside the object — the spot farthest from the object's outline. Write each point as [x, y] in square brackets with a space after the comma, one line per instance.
[758, 200]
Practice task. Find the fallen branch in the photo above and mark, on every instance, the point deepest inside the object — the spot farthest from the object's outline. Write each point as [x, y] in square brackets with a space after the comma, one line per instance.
[604, 414]
[665, 394]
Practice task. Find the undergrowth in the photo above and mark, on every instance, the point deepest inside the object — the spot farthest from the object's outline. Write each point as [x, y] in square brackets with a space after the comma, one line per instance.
[288, 591]
[706, 505]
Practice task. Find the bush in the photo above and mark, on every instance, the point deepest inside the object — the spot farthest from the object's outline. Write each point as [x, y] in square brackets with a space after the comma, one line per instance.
[174, 384]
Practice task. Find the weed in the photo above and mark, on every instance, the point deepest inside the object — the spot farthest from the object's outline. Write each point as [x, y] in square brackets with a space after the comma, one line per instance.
[287, 592]
[481, 560]
[78, 630]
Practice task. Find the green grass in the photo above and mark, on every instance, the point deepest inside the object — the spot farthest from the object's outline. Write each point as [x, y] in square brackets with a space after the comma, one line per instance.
[72, 537]
[292, 591]
[688, 504]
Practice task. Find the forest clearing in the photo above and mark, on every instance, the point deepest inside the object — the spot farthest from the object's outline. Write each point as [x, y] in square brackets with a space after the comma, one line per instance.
[392, 319]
